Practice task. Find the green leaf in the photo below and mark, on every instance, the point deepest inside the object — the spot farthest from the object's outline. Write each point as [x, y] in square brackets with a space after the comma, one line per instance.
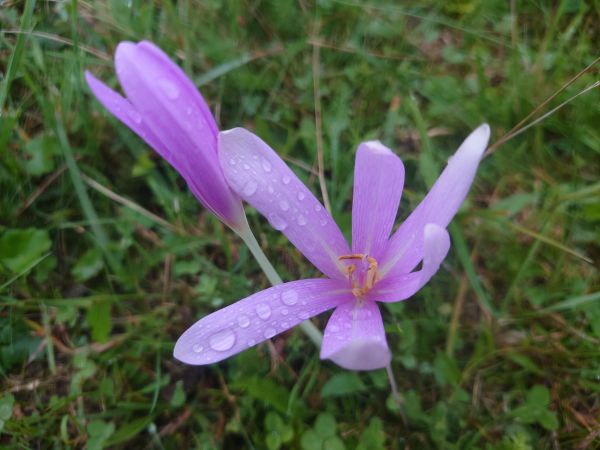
[99, 320]
[334, 443]
[373, 438]
[538, 396]
[273, 440]
[40, 152]
[445, 369]
[6, 409]
[88, 265]
[343, 384]
[20, 248]
[178, 398]
[265, 390]
[548, 420]
[98, 433]
[311, 440]
[325, 425]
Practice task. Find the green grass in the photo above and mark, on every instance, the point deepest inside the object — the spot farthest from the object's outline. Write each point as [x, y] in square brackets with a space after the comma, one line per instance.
[499, 351]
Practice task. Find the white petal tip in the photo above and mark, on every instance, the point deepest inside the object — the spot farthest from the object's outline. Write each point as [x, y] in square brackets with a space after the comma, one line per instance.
[361, 354]
[377, 147]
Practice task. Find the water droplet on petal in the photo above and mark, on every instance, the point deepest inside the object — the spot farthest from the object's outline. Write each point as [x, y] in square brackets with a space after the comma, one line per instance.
[134, 115]
[277, 222]
[290, 297]
[232, 161]
[251, 342]
[263, 310]
[269, 332]
[222, 341]
[284, 311]
[301, 195]
[334, 328]
[286, 179]
[318, 207]
[284, 205]
[285, 325]
[323, 222]
[169, 88]
[243, 321]
[250, 188]
[197, 348]
[266, 165]
[303, 315]
[301, 220]
[188, 110]
[246, 166]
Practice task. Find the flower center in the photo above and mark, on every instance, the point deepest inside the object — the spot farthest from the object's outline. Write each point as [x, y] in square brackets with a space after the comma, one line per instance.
[362, 274]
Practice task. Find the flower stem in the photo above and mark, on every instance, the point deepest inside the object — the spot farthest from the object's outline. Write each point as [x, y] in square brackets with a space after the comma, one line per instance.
[393, 385]
[249, 239]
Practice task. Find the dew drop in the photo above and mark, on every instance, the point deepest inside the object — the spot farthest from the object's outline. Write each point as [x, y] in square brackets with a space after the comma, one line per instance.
[301, 196]
[318, 207]
[266, 165]
[168, 88]
[277, 221]
[269, 332]
[232, 161]
[197, 348]
[134, 115]
[263, 310]
[303, 315]
[286, 179]
[285, 325]
[250, 188]
[334, 328]
[284, 311]
[284, 205]
[289, 298]
[301, 220]
[251, 342]
[323, 222]
[243, 321]
[222, 341]
[246, 166]
[188, 110]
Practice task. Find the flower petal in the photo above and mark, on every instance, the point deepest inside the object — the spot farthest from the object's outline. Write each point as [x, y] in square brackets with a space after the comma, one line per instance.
[400, 287]
[123, 110]
[257, 318]
[354, 337]
[405, 248]
[378, 182]
[170, 114]
[258, 175]
[189, 89]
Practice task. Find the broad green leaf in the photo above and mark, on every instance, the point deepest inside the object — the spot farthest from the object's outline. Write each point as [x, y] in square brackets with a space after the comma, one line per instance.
[99, 319]
[19, 248]
[88, 265]
[343, 383]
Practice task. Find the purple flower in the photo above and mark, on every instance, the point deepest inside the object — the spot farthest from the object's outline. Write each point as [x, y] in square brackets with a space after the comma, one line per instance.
[166, 110]
[376, 269]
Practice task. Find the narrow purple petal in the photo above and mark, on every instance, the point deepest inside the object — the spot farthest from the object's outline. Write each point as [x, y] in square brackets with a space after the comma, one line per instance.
[354, 337]
[378, 182]
[123, 110]
[400, 287]
[168, 112]
[258, 175]
[189, 90]
[405, 248]
[257, 318]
